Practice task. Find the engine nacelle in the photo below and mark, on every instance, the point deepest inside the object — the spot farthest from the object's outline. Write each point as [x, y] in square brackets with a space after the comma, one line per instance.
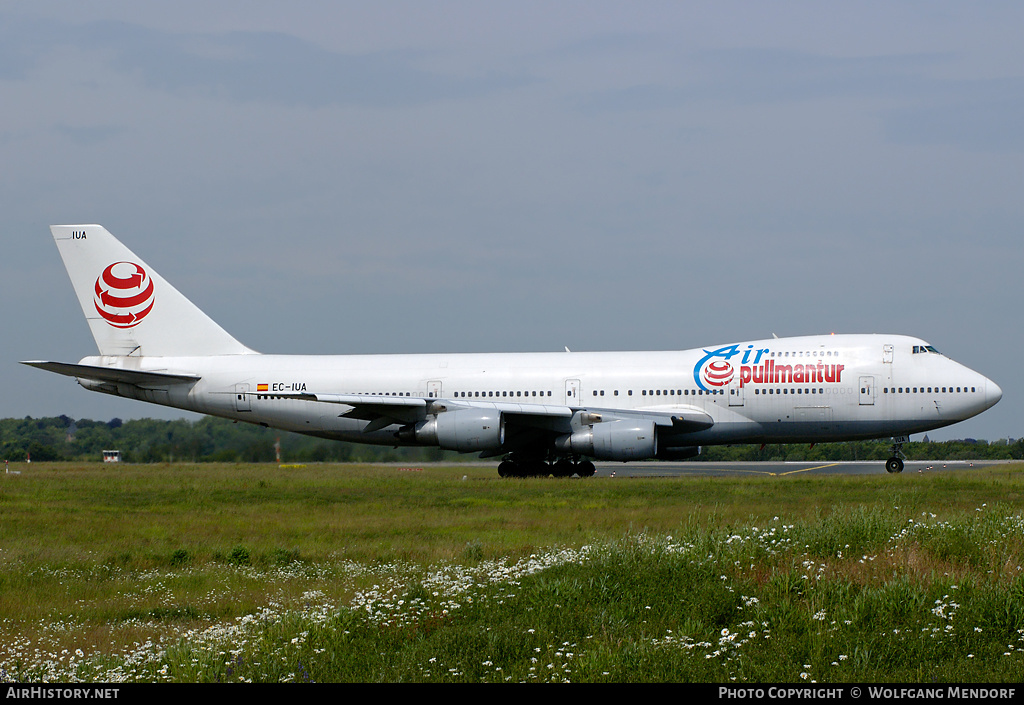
[464, 430]
[622, 439]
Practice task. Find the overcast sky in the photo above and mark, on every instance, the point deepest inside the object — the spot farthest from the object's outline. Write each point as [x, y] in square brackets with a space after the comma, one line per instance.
[371, 177]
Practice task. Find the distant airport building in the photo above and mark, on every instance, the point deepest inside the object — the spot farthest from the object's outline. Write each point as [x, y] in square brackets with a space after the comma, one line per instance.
[111, 456]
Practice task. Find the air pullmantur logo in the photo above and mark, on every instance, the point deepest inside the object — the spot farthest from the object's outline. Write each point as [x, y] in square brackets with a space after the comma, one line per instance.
[124, 294]
[716, 370]
[718, 374]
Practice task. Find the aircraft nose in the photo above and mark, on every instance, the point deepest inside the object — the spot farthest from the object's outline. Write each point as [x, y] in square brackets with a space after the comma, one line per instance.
[992, 393]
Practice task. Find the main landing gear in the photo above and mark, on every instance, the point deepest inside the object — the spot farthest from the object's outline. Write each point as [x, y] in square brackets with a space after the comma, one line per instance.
[895, 463]
[515, 465]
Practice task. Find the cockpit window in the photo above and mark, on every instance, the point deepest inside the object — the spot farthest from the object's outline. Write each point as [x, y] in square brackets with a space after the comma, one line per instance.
[925, 349]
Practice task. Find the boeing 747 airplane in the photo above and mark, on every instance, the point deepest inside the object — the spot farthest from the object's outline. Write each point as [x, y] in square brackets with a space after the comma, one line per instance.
[542, 413]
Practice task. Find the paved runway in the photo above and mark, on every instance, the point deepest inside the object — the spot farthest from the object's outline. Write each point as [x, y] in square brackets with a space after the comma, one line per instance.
[711, 469]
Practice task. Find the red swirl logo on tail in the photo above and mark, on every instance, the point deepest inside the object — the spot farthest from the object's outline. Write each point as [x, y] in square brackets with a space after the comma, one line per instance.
[124, 294]
[718, 374]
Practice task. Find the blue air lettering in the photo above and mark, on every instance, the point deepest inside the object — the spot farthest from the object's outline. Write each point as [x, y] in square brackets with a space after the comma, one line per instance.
[715, 368]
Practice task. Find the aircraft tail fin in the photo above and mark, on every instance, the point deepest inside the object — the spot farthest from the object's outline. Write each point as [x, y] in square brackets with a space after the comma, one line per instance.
[130, 308]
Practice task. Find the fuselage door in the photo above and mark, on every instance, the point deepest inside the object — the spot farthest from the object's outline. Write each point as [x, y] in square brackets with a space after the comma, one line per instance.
[434, 389]
[867, 391]
[887, 352]
[242, 397]
[735, 392]
[572, 392]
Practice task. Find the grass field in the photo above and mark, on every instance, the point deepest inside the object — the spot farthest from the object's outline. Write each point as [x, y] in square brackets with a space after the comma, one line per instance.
[368, 573]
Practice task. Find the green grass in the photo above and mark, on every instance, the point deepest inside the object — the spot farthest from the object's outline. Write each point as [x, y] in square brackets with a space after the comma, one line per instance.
[361, 573]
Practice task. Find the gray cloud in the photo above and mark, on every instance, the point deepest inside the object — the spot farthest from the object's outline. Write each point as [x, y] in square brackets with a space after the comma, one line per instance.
[257, 67]
[776, 76]
[985, 115]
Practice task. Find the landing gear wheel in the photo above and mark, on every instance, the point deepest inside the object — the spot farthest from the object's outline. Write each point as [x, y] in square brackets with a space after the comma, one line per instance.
[585, 468]
[537, 468]
[562, 468]
[894, 465]
[506, 468]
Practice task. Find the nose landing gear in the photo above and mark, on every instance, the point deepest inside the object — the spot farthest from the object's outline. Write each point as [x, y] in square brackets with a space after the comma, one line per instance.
[895, 463]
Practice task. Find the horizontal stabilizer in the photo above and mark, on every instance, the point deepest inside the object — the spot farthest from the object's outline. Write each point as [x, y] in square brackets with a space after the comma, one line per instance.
[113, 374]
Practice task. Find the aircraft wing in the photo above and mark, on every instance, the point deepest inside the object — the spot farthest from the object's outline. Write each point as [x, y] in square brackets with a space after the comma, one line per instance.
[383, 411]
[680, 419]
[139, 378]
[380, 411]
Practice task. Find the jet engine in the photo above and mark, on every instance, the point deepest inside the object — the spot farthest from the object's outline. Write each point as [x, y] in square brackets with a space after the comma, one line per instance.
[622, 439]
[464, 430]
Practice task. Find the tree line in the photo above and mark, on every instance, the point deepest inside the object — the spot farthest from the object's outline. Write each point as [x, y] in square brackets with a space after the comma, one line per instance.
[211, 439]
[207, 439]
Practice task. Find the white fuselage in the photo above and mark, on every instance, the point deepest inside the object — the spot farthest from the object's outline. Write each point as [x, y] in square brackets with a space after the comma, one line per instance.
[805, 389]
